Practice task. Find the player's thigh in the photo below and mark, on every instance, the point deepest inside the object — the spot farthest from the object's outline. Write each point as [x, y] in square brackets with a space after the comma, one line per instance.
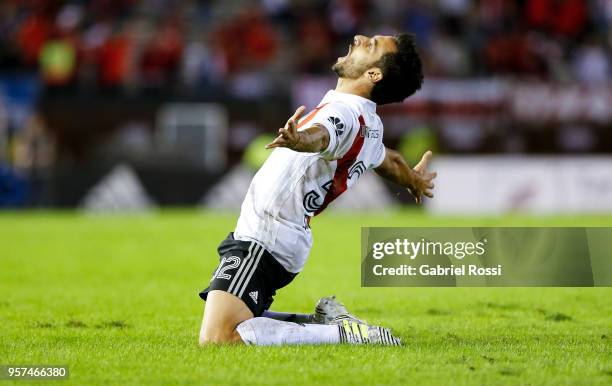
[222, 313]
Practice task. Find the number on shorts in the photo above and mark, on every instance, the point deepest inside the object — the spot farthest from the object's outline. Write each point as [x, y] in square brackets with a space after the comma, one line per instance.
[232, 262]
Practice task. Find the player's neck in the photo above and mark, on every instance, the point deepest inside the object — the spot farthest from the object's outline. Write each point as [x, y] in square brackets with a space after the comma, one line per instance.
[353, 86]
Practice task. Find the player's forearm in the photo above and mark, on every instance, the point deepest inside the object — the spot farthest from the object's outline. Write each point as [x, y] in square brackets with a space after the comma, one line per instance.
[312, 140]
[395, 169]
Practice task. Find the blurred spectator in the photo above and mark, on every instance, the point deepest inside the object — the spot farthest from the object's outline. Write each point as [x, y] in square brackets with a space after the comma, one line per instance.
[591, 63]
[564, 17]
[161, 56]
[13, 188]
[571, 17]
[57, 62]
[448, 57]
[35, 153]
[346, 16]
[316, 44]
[512, 53]
[455, 8]
[114, 61]
[31, 37]
[197, 66]
[419, 19]
[4, 134]
[34, 148]
[247, 41]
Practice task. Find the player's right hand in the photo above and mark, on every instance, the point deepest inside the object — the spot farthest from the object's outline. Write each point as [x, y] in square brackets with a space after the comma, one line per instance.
[288, 136]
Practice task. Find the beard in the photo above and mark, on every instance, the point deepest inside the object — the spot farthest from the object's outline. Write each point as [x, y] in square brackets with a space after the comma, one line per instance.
[346, 68]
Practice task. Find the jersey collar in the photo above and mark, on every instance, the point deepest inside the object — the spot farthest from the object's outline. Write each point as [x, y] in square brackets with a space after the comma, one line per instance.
[362, 102]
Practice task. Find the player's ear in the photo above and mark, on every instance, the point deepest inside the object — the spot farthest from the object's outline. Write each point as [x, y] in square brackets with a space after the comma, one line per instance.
[374, 74]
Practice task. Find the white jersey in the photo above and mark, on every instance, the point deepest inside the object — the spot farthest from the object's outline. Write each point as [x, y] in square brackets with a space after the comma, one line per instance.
[291, 187]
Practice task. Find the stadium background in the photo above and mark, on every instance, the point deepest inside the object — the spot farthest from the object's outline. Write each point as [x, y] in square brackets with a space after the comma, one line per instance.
[174, 92]
[128, 107]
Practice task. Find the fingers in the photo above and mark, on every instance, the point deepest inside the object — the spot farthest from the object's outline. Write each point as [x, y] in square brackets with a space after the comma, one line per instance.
[419, 197]
[428, 188]
[416, 194]
[428, 179]
[425, 188]
[422, 165]
[288, 133]
[292, 122]
[280, 141]
[298, 113]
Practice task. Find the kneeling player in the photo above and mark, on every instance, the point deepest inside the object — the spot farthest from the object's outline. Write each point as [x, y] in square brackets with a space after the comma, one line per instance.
[316, 159]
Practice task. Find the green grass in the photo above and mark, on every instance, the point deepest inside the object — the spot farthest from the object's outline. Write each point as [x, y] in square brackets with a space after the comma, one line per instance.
[115, 298]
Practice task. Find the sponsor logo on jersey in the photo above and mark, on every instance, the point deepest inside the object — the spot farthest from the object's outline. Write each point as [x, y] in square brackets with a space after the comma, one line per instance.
[367, 132]
[337, 124]
[356, 169]
[253, 295]
[311, 199]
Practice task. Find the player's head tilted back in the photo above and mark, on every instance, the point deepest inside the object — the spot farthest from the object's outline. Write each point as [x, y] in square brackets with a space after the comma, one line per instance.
[389, 66]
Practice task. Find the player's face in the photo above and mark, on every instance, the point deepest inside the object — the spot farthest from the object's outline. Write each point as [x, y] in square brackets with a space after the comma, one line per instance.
[363, 54]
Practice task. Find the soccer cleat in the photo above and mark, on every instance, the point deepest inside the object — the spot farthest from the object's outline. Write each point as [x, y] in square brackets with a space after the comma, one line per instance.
[330, 311]
[361, 333]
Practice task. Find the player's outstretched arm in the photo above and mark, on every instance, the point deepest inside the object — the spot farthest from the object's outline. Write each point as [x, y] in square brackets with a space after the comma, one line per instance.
[312, 140]
[418, 181]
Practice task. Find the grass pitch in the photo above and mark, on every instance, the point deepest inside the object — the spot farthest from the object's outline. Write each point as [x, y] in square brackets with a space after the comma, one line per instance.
[115, 298]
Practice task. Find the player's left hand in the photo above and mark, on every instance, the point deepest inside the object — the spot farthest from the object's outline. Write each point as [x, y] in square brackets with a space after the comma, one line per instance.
[288, 136]
[423, 185]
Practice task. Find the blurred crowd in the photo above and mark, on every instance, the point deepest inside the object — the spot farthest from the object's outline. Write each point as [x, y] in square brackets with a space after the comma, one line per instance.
[251, 45]
[85, 80]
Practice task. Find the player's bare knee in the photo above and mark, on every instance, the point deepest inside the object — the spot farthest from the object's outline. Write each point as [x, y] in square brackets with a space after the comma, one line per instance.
[217, 339]
[219, 336]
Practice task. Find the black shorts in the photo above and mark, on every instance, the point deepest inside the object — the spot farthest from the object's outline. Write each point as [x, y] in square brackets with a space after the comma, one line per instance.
[250, 272]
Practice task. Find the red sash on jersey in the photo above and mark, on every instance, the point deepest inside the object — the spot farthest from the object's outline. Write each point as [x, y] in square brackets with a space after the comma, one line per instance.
[339, 184]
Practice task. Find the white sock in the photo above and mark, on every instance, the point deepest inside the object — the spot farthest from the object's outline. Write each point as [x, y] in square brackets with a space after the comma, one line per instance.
[267, 332]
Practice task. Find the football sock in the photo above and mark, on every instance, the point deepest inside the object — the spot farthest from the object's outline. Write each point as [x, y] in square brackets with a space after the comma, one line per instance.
[268, 332]
[289, 317]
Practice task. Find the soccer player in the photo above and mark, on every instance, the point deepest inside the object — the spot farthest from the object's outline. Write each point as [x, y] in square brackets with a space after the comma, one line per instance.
[315, 159]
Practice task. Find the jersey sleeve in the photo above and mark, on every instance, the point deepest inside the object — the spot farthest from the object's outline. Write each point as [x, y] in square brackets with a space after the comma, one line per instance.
[379, 155]
[340, 123]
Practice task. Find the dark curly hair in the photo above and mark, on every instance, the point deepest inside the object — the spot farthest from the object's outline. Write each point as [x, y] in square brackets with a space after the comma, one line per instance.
[402, 72]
